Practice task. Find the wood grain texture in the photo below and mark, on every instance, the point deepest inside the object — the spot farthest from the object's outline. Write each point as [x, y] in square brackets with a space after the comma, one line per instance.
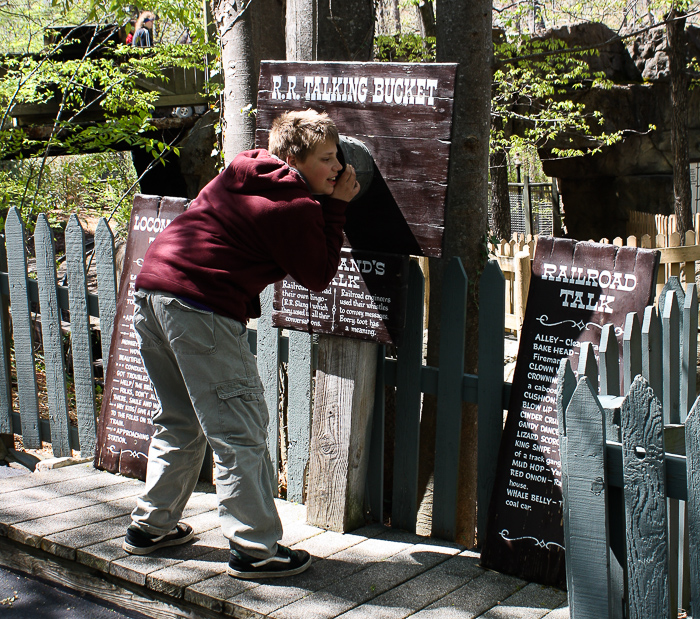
[651, 350]
[608, 353]
[52, 337]
[409, 360]
[448, 425]
[106, 286]
[299, 411]
[670, 348]
[22, 329]
[692, 451]
[269, 367]
[491, 354]
[587, 365]
[587, 555]
[631, 351]
[645, 503]
[81, 345]
[343, 401]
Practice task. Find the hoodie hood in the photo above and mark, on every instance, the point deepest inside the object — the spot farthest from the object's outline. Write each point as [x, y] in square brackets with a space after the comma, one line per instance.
[258, 172]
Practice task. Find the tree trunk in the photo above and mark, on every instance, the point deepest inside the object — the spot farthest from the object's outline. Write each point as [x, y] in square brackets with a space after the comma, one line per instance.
[679, 121]
[427, 18]
[235, 33]
[500, 195]
[345, 30]
[463, 36]
[302, 30]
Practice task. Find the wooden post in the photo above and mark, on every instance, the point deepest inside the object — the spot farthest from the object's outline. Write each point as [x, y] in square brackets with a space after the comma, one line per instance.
[343, 402]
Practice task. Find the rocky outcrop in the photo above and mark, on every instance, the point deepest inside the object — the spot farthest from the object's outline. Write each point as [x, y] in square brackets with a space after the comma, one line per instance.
[636, 174]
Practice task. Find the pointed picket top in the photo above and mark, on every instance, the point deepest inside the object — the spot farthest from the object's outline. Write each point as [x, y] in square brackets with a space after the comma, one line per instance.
[52, 337]
[22, 329]
[675, 285]
[585, 484]
[631, 351]
[670, 319]
[692, 451]
[689, 347]
[645, 502]
[609, 355]
[106, 286]
[587, 365]
[566, 384]
[651, 350]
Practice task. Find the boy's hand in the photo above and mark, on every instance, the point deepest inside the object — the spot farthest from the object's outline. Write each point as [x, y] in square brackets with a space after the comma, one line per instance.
[347, 186]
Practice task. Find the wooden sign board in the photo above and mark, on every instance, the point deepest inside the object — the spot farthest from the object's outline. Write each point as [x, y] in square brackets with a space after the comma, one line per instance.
[576, 289]
[403, 114]
[124, 427]
[365, 300]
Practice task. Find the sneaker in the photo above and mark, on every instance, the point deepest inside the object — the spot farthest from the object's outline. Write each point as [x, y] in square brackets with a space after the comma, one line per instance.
[286, 562]
[138, 542]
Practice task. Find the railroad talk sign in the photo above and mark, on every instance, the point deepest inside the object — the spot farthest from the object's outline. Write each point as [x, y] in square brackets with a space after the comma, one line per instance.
[576, 289]
[402, 113]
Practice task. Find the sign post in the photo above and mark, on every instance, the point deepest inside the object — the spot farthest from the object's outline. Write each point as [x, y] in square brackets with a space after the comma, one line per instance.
[576, 289]
[403, 115]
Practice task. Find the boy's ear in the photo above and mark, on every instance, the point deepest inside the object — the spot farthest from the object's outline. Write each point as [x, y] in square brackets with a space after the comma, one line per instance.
[292, 161]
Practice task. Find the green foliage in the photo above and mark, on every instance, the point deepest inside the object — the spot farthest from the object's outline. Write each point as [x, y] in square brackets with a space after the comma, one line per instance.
[404, 48]
[80, 183]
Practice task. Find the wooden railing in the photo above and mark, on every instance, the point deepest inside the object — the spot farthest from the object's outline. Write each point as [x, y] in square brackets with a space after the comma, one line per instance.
[630, 552]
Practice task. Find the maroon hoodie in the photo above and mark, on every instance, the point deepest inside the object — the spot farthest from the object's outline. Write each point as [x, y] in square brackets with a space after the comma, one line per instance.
[252, 225]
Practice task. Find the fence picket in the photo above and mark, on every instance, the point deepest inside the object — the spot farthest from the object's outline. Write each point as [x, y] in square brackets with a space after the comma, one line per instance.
[587, 555]
[692, 452]
[52, 337]
[299, 411]
[631, 351]
[645, 503]
[267, 350]
[375, 466]
[651, 350]
[22, 329]
[449, 402]
[490, 394]
[409, 359]
[81, 344]
[587, 365]
[566, 385]
[5, 382]
[689, 351]
[670, 348]
[609, 356]
[106, 286]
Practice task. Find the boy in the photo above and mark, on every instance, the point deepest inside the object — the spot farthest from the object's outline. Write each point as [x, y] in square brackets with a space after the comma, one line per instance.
[252, 225]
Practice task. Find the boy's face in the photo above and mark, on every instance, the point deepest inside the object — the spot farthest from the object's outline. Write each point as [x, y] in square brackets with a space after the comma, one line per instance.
[320, 168]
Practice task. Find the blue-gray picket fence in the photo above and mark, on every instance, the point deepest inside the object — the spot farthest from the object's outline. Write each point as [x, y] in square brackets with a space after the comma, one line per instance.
[29, 298]
[630, 467]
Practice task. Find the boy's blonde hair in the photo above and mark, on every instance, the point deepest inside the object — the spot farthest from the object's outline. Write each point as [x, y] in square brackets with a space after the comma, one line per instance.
[298, 132]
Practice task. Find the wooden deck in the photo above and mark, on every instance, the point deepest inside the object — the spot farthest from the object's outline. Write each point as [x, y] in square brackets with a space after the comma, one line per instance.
[67, 524]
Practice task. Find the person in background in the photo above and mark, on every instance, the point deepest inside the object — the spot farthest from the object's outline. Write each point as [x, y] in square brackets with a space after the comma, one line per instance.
[143, 30]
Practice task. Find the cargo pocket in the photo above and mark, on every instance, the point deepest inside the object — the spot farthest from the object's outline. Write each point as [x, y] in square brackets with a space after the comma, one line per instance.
[243, 414]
